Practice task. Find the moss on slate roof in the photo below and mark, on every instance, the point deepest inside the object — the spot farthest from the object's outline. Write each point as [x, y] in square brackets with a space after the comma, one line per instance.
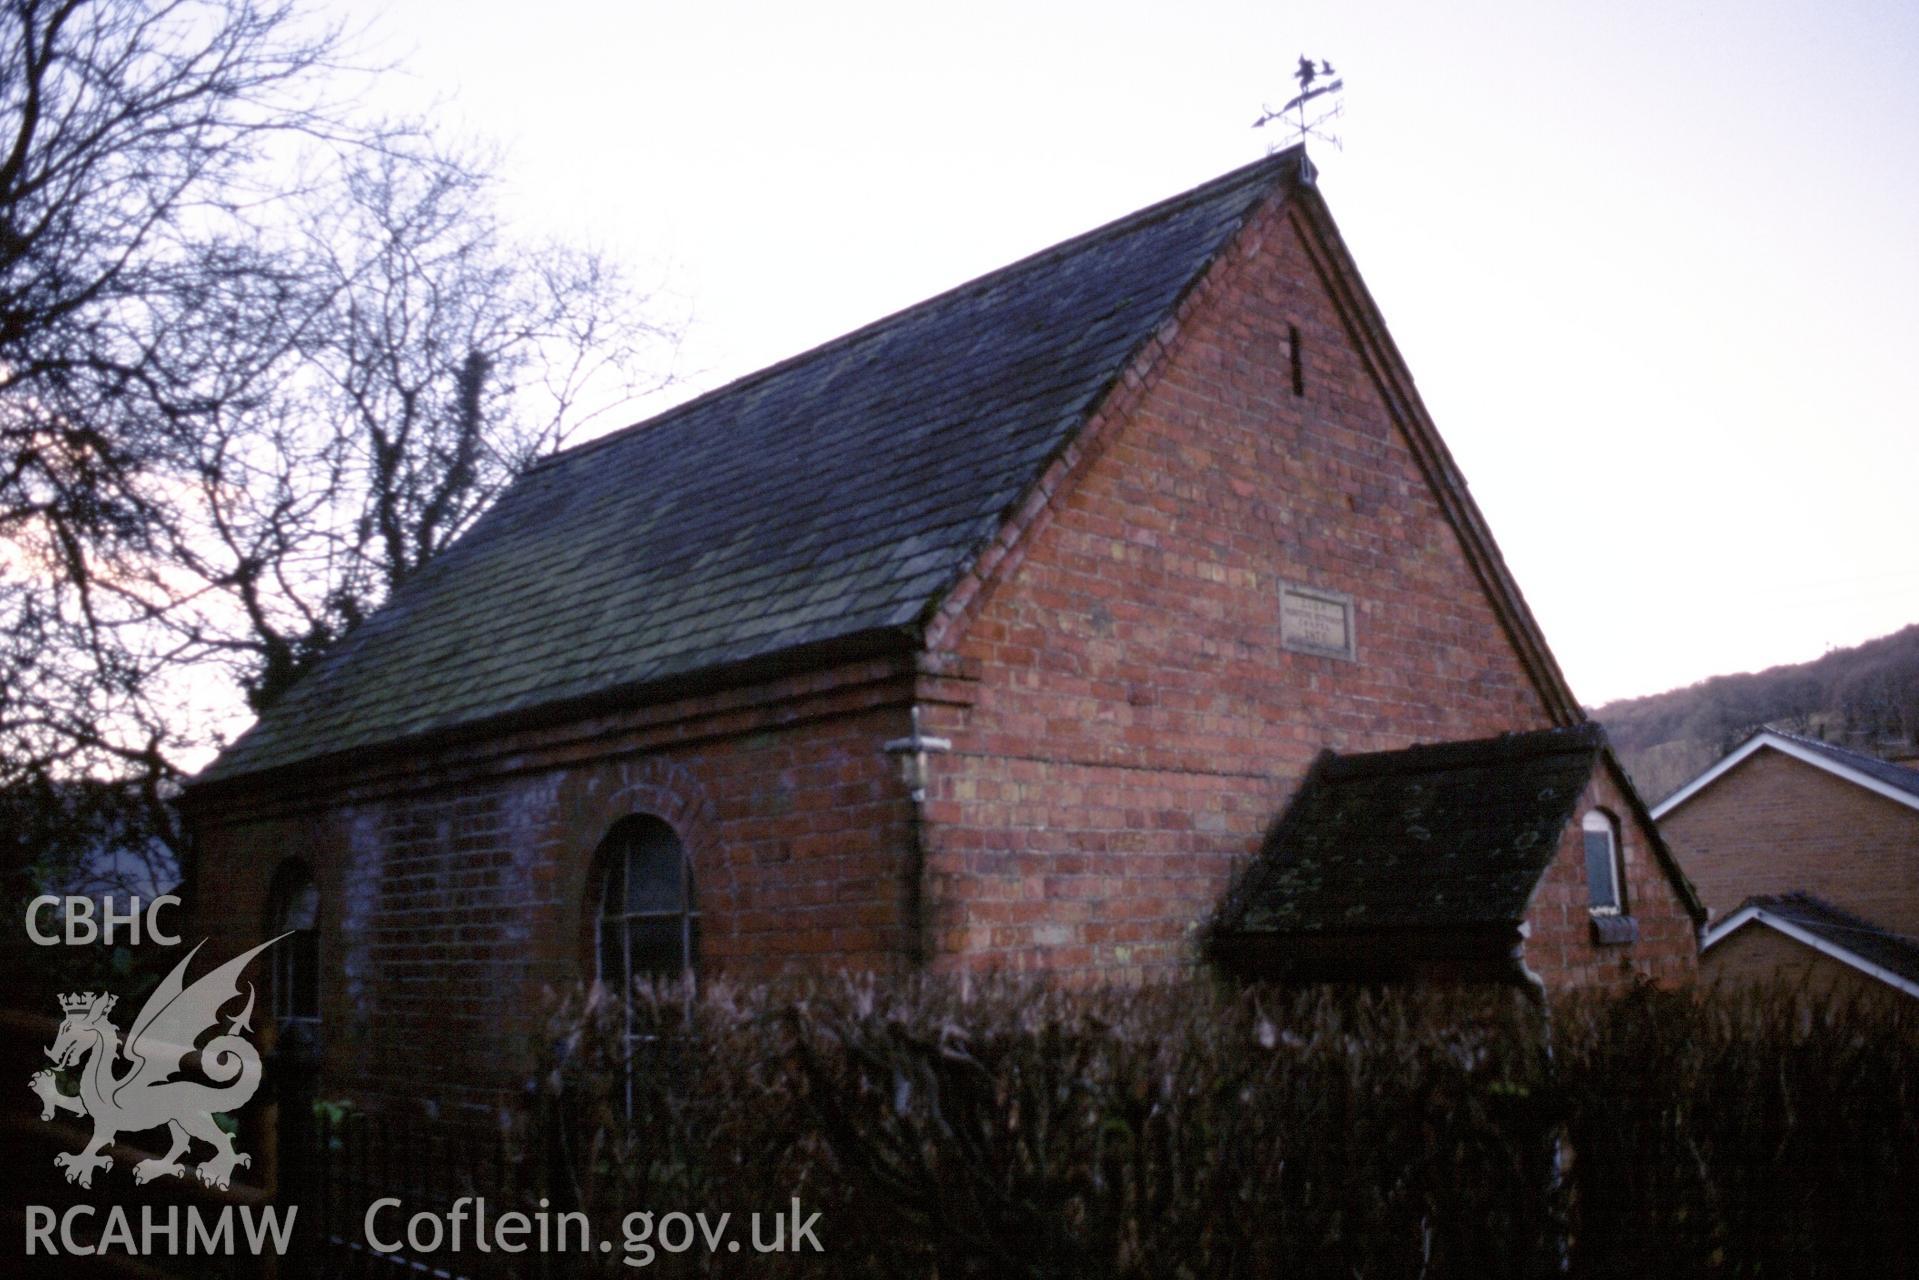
[837, 494]
[1454, 835]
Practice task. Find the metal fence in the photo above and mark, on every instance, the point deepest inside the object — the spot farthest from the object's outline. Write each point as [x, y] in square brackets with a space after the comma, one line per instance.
[337, 1165]
[355, 1161]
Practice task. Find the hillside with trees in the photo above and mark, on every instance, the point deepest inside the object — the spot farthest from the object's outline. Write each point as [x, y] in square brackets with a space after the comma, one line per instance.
[1865, 697]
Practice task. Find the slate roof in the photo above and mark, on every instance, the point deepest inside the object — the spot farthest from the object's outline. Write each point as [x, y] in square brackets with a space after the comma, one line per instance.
[1450, 836]
[1896, 776]
[836, 495]
[1880, 948]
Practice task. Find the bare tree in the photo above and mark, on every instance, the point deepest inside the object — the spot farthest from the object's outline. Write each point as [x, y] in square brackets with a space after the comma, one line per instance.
[240, 399]
[434, 358]
[134, 136]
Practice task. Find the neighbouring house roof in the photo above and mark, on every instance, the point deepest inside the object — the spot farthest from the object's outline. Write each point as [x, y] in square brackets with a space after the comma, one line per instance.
[1454, 835]
[1889, 957]
[835, 495]
[1895, 782]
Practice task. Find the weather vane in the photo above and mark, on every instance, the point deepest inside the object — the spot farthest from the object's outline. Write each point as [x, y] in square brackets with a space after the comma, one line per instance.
[1294, 113]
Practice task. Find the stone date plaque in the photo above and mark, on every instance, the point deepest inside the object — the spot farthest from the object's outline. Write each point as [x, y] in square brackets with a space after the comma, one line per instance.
[1314, 620]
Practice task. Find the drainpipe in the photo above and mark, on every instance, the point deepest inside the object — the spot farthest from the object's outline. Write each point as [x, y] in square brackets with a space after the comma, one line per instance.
[1535, 988]
[912, 751]
[1534, 985]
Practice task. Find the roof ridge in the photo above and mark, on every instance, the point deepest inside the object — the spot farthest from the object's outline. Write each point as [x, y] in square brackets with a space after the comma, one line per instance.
[826, 498]
[1834, 748]
[1522, 744]
[1278, 162]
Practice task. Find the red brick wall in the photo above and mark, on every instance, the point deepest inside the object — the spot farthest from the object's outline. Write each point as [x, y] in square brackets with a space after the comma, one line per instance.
[1773, 824]
[449, 904]
[1138, 725]
[1560, 946]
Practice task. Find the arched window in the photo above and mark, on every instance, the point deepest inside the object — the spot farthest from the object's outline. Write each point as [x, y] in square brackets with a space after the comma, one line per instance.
[1605, 880]
[648, 925]
[293, 907]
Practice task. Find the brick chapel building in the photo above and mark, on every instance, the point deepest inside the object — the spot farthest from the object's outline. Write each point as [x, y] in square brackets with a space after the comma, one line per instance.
[1000, 633]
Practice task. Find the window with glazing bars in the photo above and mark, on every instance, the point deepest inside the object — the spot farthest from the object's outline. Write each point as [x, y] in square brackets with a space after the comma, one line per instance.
[648, 927]
[295, 970]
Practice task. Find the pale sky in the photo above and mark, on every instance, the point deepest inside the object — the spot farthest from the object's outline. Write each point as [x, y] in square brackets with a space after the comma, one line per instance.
[1655, 266]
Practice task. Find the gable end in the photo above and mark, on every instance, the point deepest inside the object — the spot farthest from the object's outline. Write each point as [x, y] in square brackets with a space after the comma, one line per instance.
[1299, 202]
[1805, 753]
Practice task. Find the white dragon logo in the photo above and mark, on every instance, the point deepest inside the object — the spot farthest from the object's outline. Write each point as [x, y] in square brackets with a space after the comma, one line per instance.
[145, 1096]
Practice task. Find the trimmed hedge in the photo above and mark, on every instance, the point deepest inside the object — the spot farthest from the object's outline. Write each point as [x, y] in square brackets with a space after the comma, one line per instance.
[1012, 1130]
